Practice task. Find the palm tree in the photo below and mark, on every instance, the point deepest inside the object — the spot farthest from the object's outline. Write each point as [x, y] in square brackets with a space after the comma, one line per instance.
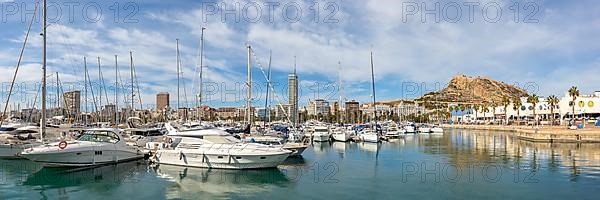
[574, 93]
[494, 111]
[505, 103]
[485, 108]
[552, 102]
[476, 109]
[517, 103]
[533, 99]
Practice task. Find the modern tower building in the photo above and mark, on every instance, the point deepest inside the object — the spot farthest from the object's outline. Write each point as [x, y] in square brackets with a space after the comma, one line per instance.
[293, 95]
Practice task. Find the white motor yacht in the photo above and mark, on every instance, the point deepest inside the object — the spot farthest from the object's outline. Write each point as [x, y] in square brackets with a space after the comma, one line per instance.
[296, 148]
[321, 134]
[393, 132]
[174, 130]
[409, 129]
[220, 152]
[14, 140]
[424, 129]
[369, 136]
[340, 134]
[12, 148]
[436, 130]
[95, 147]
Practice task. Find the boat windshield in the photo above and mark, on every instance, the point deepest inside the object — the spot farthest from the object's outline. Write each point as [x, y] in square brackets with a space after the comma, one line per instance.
[99, 136]
[7, 129]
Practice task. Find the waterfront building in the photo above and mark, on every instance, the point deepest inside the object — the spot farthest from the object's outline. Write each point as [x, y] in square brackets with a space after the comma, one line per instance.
[183, 113]
[352, 106]
[405, 108]
[241, 112]
[263, 113]
[226, 113]
[585, 106]
[162, 101]
[72, 102]
[318, 106]
[282, 111]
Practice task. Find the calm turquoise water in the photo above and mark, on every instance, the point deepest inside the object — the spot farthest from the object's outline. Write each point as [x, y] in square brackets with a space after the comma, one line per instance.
[460, 164]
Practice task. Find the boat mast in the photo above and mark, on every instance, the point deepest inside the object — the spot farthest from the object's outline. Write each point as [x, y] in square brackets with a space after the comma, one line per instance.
[373, 93]
[57, 95]
[43, 119]
[100, 90]
[116, 91]
[249, 84]
[338, 113]
[132, 88]
[85, 90]
[177, 64]
[199, 100]
[267, 96]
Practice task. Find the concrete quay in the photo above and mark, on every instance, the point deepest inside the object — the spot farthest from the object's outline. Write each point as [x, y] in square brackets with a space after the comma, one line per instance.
[551, 134]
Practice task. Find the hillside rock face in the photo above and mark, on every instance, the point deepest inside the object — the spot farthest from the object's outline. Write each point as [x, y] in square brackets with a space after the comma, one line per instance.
[475, 90]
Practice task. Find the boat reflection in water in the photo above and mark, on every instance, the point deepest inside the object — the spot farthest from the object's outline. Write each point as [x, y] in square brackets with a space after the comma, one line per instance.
[100, 179]
[339, 147]
[369, 147]
[321, 148]
[67, 177]
[203, 183]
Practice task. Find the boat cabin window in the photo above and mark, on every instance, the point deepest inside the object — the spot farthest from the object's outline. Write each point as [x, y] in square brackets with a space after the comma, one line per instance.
[99, 136]
[222, 139]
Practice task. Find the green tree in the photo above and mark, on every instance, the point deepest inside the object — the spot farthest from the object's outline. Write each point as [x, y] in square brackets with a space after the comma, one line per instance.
[574, 93]
[533, 100]
[494, 111]
[517, 103]
[485, 108]
[552, 102]
[476, 109]
[505, 103]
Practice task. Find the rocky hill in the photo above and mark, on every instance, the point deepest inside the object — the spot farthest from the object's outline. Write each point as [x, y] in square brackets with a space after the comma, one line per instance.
[474, 90]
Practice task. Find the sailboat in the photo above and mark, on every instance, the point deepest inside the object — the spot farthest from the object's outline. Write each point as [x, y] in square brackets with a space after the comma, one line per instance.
[371, 135]
[94, 147]
[11, 145]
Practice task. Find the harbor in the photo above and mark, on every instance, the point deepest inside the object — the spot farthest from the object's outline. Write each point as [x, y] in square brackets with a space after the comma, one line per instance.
[198, 100]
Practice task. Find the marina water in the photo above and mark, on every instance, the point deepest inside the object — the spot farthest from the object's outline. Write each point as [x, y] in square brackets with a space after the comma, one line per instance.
[459, 164]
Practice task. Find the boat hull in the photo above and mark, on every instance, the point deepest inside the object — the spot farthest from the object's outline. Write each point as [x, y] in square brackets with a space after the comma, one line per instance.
[372, 138]
[341, 137]
[193, 158]
[296, 150]
[424, 130]
[321, 138]
[437, 130]
[82, 158]
[409, 129]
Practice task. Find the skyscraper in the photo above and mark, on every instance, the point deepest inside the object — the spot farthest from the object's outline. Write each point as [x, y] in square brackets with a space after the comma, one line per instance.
[293, 95]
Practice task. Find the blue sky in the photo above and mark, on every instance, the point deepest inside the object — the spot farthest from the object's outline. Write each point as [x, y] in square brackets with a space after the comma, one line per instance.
[548, 47]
